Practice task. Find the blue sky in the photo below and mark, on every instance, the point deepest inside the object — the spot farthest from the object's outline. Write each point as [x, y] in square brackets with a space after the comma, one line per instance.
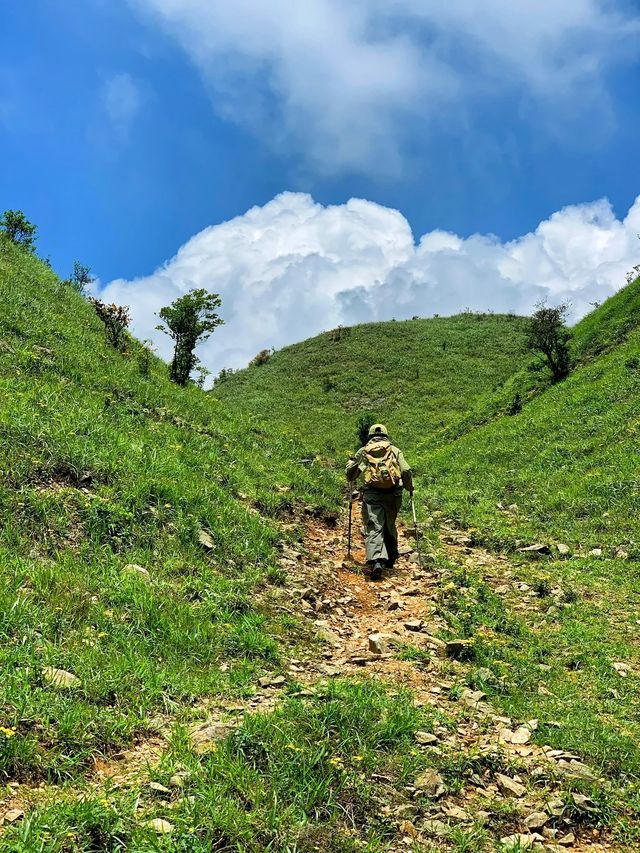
[128, 127]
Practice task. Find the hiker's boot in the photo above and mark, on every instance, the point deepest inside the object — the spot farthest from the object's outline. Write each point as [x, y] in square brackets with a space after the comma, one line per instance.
[376, 570]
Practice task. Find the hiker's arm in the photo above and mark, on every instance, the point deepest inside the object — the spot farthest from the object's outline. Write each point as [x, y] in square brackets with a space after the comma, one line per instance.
[405, 472]
[353, 468]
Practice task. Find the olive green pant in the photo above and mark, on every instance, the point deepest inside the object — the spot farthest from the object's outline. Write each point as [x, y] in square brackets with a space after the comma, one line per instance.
[379, 513]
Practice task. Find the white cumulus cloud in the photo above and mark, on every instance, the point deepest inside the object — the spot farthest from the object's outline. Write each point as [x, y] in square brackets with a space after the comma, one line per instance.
[343, 83]
[292, 268]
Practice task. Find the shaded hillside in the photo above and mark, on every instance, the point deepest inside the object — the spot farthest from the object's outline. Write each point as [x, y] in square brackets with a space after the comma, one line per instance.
[419, 375]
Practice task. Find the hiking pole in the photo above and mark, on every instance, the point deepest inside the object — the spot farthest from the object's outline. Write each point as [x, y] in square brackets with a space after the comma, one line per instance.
[415, 530]
[349, 532]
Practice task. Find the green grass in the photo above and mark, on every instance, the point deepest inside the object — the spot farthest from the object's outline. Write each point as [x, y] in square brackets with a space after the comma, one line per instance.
[417, 376]
[104, 463]
[563, 470]
[298, 779]
[100, 467]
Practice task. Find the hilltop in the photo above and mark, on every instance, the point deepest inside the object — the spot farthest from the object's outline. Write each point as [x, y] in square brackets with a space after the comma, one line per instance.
[422, 375]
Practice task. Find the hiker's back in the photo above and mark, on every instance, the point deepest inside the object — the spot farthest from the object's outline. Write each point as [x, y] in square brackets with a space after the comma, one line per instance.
[381, 465]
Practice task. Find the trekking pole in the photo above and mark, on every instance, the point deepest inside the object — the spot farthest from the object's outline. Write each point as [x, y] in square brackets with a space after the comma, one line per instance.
[349, 531]
[415, 531]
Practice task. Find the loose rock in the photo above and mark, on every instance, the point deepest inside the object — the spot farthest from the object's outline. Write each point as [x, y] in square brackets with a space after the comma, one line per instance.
[161, 826]
[60, 679]
[509, 786]
[425, 738]
[137, 571]
[431, 783]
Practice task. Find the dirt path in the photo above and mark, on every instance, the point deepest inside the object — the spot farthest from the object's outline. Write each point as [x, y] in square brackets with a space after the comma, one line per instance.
[388, 630]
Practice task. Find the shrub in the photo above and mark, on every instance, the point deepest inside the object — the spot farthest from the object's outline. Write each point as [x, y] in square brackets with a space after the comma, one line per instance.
[225, 373]
[116, 318]
[365, 421]
[515, 406]
[144, 358]
[261, 358]
[339, 333]
[80, 277]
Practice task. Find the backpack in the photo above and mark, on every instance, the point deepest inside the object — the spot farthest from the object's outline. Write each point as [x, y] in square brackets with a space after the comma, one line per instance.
[382, 468]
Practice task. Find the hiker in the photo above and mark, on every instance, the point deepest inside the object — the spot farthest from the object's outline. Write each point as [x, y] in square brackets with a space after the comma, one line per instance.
[385, 472]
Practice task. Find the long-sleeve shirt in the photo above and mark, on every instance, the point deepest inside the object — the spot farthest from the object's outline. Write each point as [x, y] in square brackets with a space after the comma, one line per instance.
[356, 466]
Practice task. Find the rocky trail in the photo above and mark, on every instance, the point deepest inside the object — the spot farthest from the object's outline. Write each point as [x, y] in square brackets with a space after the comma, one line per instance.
[388, 631]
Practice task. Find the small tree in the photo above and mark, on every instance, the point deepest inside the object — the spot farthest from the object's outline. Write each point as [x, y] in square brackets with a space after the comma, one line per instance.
[548, 334]
[189, 320]
[116, 318]
[80, 277]
[18, 229]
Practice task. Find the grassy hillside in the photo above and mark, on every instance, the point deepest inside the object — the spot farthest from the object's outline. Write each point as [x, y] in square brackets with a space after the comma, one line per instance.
[570, 459]
[420, 375]
[105, 466]
[564, 470]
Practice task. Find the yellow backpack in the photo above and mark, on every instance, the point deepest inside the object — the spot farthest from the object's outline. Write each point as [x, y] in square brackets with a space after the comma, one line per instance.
[382, 468]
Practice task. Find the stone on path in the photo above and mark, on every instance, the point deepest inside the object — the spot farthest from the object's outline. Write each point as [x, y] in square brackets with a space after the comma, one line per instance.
[521, 841]
[431, 783]
[425, 738]
[12, 816]
[414, 624]
[535, 820]
[205, 735]
[60, 679]
[509, 786]
[377, 645]
[458, 649]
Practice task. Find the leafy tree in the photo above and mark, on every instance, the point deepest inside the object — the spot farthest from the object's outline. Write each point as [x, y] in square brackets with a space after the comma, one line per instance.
[549, 335]
[18, 229]
[189, 320]
[116, 318]
[80, 277]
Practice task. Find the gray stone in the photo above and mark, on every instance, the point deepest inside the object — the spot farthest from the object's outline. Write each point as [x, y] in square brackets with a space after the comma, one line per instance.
[161, 826]
[425, 738]
[536, 820]
[377, 646]
[206, 540]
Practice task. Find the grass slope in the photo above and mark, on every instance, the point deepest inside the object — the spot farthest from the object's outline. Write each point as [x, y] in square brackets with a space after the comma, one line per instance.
[420, 375]
[102, 467]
